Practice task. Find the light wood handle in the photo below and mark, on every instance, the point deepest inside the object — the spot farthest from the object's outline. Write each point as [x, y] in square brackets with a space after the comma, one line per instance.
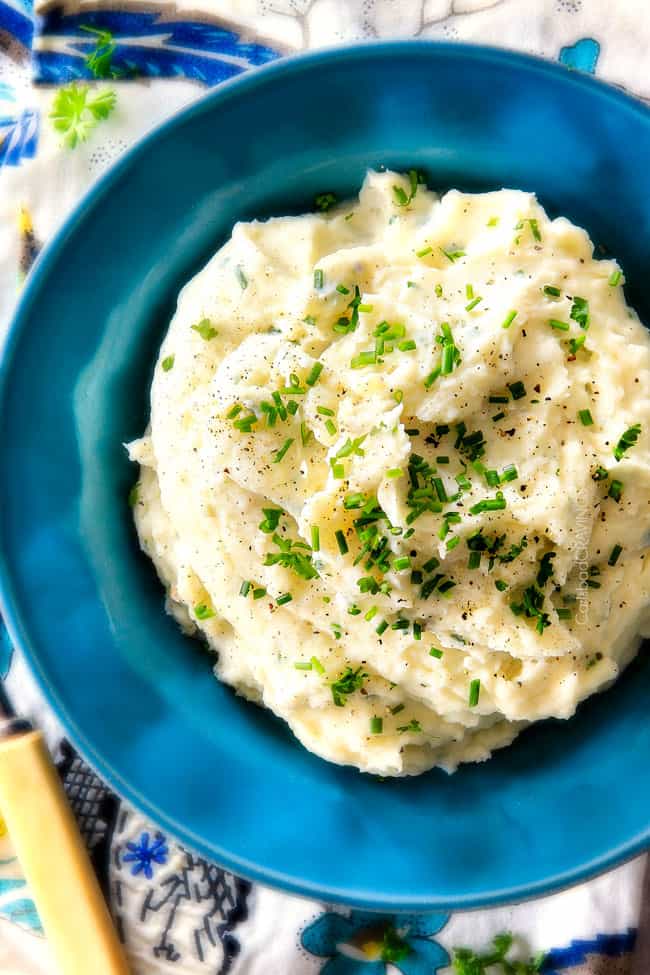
[46, 838]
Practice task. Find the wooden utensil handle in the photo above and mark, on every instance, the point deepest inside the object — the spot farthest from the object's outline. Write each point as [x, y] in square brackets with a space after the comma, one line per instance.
[46, 838]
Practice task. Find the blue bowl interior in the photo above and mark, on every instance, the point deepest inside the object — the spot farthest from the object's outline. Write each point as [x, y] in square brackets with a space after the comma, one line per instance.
[138, 698]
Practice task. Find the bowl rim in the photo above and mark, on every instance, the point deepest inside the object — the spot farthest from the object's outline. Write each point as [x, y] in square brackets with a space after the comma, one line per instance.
[241, 85]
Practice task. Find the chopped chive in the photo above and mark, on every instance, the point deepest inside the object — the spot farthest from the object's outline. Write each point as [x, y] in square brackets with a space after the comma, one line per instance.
[586, 418]
[367, 358]
[376, 725]
[501, 585]
[560, 326]
[315, 372]
[394, 472]
[453, 542]
[431, 378]
[315, 538]
[417, 630]
[205, 329]
[319, 278]
[402, 563]
[338, 472]
[371, 612]
[474, 692]
[330, 426]
[563, 613]
[400, 625]
[337, 631]
[303, 665]
[203, 611]
[614, 278]
[473, 303]
[259, 592]
[168, 363]
[407, 346]
[366, 309]
[580, 312]
[423, 252]
[509, 319]
[552, 291]
[447, 359]
[233, 411]
[398, 395]
[305, 434]
[474, 560]
[317, 665]
[492, 478]
[517, 389]
[534, 227]
[600, 474]
[509, 473]
[452, 255]
[245, 587]
[614, 555]
[431, 565]
[412, 432]
[341, 542]
[241, 277]
[469, 291]
[438, 291]
[324, 411]
[309, 320]
[489, 504]
[492, 222]
[285, 598]
[498, 399]
[381, 627]
[435, 652]
[615, 490]
[628, 439]
[498, 416]
[282, 451]
[342, 290]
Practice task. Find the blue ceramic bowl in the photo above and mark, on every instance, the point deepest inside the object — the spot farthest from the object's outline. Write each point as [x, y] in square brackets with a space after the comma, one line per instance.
[137, 698]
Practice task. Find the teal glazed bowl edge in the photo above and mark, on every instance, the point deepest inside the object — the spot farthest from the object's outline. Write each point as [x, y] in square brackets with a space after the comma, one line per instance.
[139, 701]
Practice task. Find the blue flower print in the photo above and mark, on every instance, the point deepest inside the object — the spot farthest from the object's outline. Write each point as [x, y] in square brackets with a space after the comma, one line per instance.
[142, 856]
[364, 943]
[583, 55]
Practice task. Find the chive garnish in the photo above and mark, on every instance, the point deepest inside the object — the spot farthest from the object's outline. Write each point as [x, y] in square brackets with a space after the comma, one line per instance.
[423, 252]
[615, 490]
[628, 439]
[376, 725]
[552, 291]
[501, 585]
[580, 312]
[205, 329]
[453, 256]
[168, 363]
[305, 433]
[381, 627]
[317, 665]
[586, 418]
[203, 611]
[402, 563]
[517, 389]
[245, 587]
[338, 472]
[319, 278]
[284, 598]
[474, 692]
[315, 538]
[315, 372]
[614, 555]
[303, 665]
[474, 560]
[614, 278]
[559, 326]
[435, 652]
[341, 542]
[473, 303]
[282, 451]
[241, 277]
[509, 319]
[396, 708]
[438, 291]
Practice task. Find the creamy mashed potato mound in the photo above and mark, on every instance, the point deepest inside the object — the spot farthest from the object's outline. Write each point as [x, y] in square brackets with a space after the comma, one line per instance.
[398, 471]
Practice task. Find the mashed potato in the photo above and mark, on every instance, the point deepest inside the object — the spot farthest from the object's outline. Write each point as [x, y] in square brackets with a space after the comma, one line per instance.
[398, 471]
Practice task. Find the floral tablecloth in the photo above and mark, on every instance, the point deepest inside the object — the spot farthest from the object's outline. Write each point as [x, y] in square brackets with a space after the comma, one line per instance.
[176, 912]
